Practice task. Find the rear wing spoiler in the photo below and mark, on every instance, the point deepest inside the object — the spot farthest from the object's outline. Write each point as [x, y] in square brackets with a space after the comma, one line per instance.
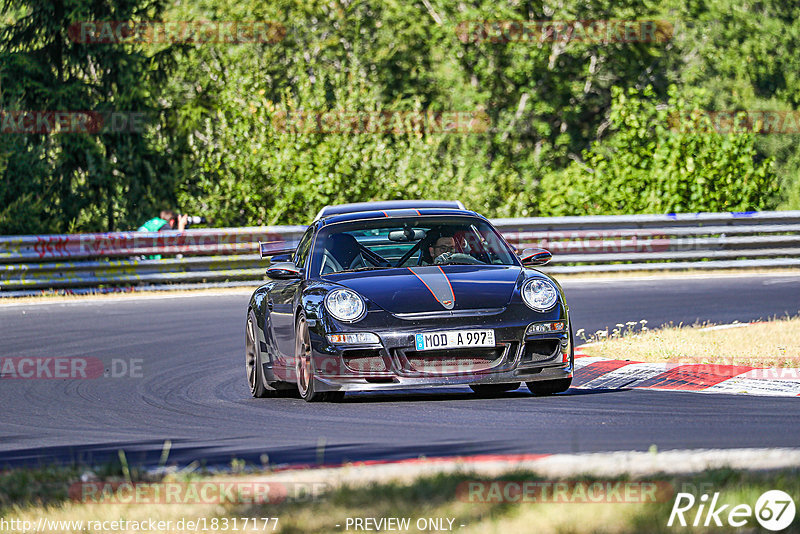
[274, 248]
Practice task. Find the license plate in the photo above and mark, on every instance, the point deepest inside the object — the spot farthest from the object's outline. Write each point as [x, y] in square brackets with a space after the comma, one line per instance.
[454, 339]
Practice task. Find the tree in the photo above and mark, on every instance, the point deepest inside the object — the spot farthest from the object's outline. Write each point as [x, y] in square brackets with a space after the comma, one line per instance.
[661, 159]
[80, 181]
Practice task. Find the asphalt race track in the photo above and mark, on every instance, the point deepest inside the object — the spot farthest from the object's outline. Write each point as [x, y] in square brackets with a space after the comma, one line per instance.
[191, 388]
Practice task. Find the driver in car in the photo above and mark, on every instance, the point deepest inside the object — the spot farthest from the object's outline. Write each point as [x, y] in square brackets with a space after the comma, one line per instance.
[443, 250]
[445, 244]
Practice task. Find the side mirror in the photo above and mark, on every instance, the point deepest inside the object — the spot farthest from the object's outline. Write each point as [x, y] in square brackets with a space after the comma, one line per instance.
[280, 258]
[284, 270]
[532, 257]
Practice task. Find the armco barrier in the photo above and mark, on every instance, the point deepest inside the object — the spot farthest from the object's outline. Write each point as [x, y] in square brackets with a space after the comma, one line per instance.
[111, 261]
[82, 263]
[661, 242]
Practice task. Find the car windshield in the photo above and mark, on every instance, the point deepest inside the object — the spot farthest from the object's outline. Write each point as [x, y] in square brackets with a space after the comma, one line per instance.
[392, 243]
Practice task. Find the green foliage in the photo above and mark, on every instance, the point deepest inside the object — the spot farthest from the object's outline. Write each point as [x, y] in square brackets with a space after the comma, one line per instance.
[578, 127]
[661, 159]
[277, 175]
[742, 57]
[42, 485]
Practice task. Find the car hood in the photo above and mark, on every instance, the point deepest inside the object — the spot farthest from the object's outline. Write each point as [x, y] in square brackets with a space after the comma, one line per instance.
[434, 288]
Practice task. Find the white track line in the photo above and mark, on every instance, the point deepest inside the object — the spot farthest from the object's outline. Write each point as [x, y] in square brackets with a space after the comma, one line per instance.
[126, 298]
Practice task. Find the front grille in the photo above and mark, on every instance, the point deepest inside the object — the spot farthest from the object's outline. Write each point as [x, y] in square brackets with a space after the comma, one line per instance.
[541, 349]
[449, 361]
[446, 314]
[364, 360]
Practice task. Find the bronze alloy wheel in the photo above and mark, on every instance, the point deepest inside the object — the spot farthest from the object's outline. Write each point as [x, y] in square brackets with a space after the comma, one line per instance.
[305, 367]
[253, 360]
[303, 363]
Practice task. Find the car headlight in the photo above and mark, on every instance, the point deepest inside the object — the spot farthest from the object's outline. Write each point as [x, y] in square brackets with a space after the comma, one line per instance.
[345, 305]
[539, 294]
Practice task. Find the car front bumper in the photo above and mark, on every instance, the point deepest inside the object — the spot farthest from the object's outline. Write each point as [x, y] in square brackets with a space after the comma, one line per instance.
[394, 363]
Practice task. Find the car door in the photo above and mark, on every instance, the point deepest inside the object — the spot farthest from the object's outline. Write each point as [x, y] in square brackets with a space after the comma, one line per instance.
[282, 298]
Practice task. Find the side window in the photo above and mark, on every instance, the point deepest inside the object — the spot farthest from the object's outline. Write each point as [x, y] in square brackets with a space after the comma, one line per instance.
[301, 254]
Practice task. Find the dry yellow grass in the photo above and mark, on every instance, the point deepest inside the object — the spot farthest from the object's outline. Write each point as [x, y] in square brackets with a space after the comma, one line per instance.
[435, 497]
[773, 343]
[330, 516]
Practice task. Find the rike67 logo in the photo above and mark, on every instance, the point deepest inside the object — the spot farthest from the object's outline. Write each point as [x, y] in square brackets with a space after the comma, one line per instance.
[774, 510]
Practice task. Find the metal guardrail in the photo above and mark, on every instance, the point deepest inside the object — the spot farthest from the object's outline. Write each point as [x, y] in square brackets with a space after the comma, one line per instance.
[80, 263]
[611, 243]
[121, 261]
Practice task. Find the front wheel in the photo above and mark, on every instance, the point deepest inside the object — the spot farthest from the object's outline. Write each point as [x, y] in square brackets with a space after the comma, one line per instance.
[306, 383]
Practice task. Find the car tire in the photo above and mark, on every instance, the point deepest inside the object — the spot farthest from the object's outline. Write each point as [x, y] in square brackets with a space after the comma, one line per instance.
[549, 387]
[304, 366]
[493, 389]
[253, 367]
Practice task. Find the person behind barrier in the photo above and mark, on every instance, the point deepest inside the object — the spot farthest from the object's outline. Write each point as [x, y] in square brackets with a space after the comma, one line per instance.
[167, 220]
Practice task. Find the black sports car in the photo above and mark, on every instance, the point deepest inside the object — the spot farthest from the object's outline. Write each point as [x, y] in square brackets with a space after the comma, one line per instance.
[406, 294]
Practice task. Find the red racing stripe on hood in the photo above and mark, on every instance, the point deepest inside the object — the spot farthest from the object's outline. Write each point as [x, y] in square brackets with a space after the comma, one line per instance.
[438, 284]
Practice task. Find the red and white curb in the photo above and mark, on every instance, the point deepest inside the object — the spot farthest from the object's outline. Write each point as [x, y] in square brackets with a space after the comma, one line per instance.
[604, 373]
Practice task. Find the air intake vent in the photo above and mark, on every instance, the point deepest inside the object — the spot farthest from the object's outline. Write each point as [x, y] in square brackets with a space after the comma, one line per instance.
[540, 350]
[364, 361]
[451, 361]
